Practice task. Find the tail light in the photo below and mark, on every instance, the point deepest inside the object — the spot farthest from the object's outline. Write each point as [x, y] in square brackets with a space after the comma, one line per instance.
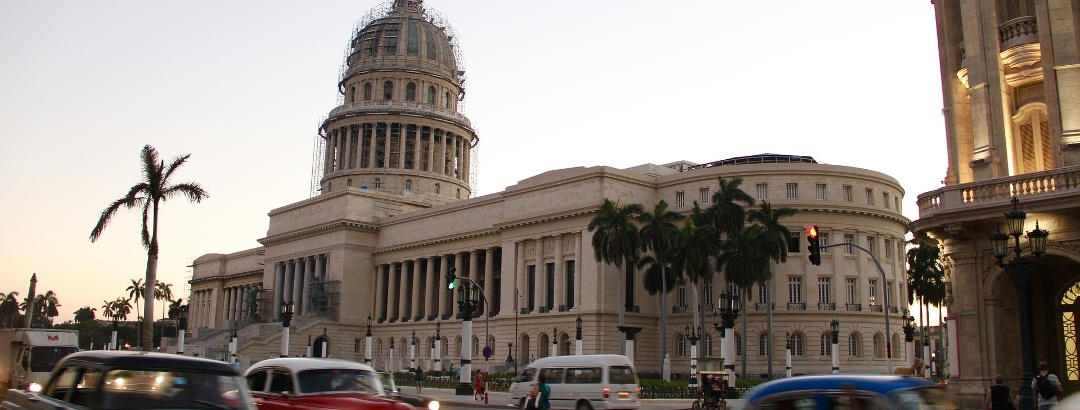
[607, 392]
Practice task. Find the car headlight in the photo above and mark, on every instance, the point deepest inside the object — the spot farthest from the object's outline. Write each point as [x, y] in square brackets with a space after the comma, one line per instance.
[433, 405]
[34, 388]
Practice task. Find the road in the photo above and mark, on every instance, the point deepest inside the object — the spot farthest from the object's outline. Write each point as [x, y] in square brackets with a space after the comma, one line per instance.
[501, 400]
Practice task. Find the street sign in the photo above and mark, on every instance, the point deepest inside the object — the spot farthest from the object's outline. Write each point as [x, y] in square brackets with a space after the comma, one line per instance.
[487, 352]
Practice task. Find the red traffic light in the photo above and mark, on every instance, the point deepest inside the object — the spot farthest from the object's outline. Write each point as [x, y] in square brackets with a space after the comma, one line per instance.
[811, 231]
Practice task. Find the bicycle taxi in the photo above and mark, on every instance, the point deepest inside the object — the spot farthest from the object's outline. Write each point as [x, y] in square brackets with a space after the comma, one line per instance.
[714, 384]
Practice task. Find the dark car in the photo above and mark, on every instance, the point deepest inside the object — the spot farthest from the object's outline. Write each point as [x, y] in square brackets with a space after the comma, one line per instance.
[317, 383]
[391, 389]
[120, 380]
[858, 391]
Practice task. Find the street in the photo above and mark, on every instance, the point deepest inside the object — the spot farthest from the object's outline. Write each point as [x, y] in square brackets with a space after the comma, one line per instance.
[501, 400]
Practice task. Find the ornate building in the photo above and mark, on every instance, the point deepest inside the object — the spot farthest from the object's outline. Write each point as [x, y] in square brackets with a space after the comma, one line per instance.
[394, 213]
[1010, 73]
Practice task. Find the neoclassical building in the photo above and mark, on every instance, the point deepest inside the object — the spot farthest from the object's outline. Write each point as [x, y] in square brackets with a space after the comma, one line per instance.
[394, 213]
[1010, 73]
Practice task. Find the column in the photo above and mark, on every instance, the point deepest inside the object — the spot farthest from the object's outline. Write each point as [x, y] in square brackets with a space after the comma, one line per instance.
[560, 275]
[415, 312]
[452, 166]
[541, 275]
[460, 271]
[489, 280]
[227, 312]
[309, 278]
[429, 292]
[444, 297]
[391, 293]
[402, 136]
[279, 278]
[403, 291]
[418, 148]
[521, 278]
[348, 151]
[431, 148]
[579, 270]
[474, 274]
[380, 283]
[287, 291]
[240, 296]
[298, 286]
[328, 154]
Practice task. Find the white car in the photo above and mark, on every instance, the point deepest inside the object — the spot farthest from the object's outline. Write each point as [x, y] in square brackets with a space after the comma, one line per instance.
[583, 382]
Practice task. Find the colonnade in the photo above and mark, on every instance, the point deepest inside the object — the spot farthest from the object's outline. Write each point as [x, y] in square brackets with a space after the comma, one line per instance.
[291, 277]
[238, 301]
[202, 308]
[416, 290]
[398, 146]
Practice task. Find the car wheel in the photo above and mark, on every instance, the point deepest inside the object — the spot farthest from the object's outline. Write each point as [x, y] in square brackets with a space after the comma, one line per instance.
[697, 405]
[583, 405]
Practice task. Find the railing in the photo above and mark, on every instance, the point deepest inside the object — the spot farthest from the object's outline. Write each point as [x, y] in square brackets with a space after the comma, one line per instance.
[544, 309]
[385, 106]
[957, 197]
[678, 309]
[826, 306]
[875, 308]
[762, 306]
[854, 307]
[796, 306]
[1020, 30]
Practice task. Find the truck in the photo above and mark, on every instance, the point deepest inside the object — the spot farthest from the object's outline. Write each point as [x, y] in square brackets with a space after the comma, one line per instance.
[27, 356]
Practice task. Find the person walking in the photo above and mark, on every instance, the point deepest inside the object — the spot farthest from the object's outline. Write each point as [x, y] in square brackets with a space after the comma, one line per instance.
[419, 376]
[478, 386]
[1046, 388]
[998, 396]
[539, 397]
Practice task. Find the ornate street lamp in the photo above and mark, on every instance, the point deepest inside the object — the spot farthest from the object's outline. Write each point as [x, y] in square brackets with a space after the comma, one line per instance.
[554, 341]
[286, 320]
[1019, 269]
[367, 343]
[787, 352]
[693, 335]
[412, 351]
[730, 305]
[835, 324]
[578, 335]
[468, 297]
[909, 336]
[181, 329]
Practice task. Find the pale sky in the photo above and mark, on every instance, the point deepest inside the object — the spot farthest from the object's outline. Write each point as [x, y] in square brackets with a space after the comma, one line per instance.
[243, 85]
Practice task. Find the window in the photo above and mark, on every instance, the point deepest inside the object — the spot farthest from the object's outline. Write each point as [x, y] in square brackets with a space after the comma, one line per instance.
[869, 196]
[585, 375]
[823, 239]
[378, 183]
[680, 199]
[704, 195]
[352, 94]
[796, 340]
[388, 90]
[851, 295]
[429, 43]
[408, 184]
[738, 345]
[763, 294]
[706, 345]
[847, 194]
[447, 99]
[410, 91]
[792, 191]
[436, 188]
[707, 295]
[431, 95]
[888, 248]
[824, 288]
[885, 199]
[826, 343]
[873, 291]
[879, 346]
[849, 238]
[762, 191]
[794, 243]
[680, 296]
[870, 240]
[390, 44]
[570, 284]
[896, 201]
[854, 344]
[795, 289]
[820, 191]
[763, 344]
[680, 346]
[367, 91]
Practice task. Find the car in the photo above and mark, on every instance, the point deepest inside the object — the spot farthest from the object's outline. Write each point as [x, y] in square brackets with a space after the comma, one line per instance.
[118, 380]
[391, 389]
[317, 383]
[581, 382]
[860, 391]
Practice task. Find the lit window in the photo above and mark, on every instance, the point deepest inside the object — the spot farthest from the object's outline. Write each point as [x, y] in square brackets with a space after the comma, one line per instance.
[792, 191]
[820, 191]
[680, 199]
[762, 191]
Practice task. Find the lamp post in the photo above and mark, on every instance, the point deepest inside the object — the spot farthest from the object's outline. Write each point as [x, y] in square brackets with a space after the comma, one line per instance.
[286, 320]
[233, 341]
[926, 350]
[367, 343]
[325, 347]
[310, 350]
[730, 304]
[390, 361]
[787, 352]
[181, 329]
[438, 345]
[1019, 269]
[554, 342]
[835, 341]
[468, 296]
[412, 351]
[909, 337]
[693, 335]
[578, 335]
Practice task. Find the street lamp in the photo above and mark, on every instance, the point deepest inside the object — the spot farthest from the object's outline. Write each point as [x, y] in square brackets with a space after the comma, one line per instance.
[1019, 269]
[412, 351]
[468, 296]
[835, 340]
[325, 346]
[926, 350]
[578, 327]
[286, 320]
[554, 341]
[693, 335]
[909, 336]
[367, 343]
[181, 329]
[438, 345]
[787, 351]
[730, 305]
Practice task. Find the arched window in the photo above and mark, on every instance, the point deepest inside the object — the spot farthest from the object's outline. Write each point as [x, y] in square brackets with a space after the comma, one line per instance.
[826, 343]
[448, 100]
[388, 91]
[408, 184]
[796, 340]
[879, 346]
[431, 95]
[475, 346]
[352, 94]
[378, 183]
[896, 345]
[410, 91]
[436, 188]
[457, 344]
[367, 91]
[1031, 133]
[854, 345]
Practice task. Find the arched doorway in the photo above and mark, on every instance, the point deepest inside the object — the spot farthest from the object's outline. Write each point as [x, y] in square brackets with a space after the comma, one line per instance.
[320, 346]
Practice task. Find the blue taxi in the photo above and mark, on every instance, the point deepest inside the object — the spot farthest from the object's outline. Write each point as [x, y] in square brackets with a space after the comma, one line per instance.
[848, 391]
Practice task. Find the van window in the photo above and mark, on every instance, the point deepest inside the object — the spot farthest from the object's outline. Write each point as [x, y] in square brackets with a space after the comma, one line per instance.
[554, 376]
[588, 375]
[527, 375]
[621, 375]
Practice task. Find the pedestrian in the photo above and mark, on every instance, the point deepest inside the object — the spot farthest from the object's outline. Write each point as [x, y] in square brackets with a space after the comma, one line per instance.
[1046, 388]
[998, 396]
[540, 394]
[419, 373]
[478, 386]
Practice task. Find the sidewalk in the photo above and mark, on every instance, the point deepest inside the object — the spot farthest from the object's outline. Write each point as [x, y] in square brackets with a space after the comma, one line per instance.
[501, 400]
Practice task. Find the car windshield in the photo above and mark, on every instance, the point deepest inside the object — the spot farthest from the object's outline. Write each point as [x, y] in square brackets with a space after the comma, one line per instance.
[922, 398]
[389, 385]
[527, 375]
[160, 389]
[44, 358]
[339, 380]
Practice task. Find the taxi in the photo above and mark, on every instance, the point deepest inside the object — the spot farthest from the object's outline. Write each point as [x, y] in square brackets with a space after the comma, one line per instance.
[848, 391]
[317, 383]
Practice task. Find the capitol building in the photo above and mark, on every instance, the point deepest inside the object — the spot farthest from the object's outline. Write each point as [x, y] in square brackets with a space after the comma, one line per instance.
[366, 256]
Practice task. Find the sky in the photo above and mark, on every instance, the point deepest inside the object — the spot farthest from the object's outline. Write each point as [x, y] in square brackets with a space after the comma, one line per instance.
[242, 86]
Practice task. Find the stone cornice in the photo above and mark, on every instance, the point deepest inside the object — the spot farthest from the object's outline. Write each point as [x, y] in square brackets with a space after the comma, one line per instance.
[345, 224]
[548, 218]
[417, 244]
[226, 277]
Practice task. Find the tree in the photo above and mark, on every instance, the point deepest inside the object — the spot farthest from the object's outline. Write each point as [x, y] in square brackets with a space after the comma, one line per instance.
[769, 219]
[46, 305]
[85, 314]
[121, 308]
[657, 234]
[694, 250]
[136, 291]
[727, 211]
[174, 308]
[9, 308]
[148, 194]
[616, 241]
[163, 293]
[926, 277]
[745, 262]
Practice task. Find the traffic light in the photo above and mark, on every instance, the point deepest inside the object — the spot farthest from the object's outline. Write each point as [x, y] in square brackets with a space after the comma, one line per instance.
[451, 279]
[815, 245]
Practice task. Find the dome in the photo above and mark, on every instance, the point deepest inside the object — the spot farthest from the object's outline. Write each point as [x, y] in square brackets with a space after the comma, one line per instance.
[403, 35]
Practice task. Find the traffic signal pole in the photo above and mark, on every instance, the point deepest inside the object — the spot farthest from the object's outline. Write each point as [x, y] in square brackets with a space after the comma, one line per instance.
[885, 282]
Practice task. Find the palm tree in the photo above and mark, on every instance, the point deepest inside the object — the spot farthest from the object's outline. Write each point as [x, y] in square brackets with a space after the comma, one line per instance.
[9, 308]
[148, 194]
[108, 309]
[694, 250]
[926, 277]
[745, 262]
[657, 234]
[174, 308]
[135, 291]
[85, 314]
[46, 305]
[163, 293]
[121, 308]
[769, 219]
[616, 241]
[726, 211]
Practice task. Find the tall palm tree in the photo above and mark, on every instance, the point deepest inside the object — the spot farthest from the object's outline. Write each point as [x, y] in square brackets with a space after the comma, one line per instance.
[164, 294]
[616, 241]
[85, 314]
[174, 308]
[9, 308]
[148, 194]
[693, 252]
[727, 211]
[108, 309]
[121, 308]
[926, 277]
[769, 219]
[745, 263]
[135, 291]
[46, 305]
[657, 235]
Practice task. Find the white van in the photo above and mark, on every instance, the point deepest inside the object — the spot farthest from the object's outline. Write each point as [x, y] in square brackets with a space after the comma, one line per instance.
[599, 381]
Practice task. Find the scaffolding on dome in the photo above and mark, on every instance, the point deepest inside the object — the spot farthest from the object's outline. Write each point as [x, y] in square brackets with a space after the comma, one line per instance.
[758, 159]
